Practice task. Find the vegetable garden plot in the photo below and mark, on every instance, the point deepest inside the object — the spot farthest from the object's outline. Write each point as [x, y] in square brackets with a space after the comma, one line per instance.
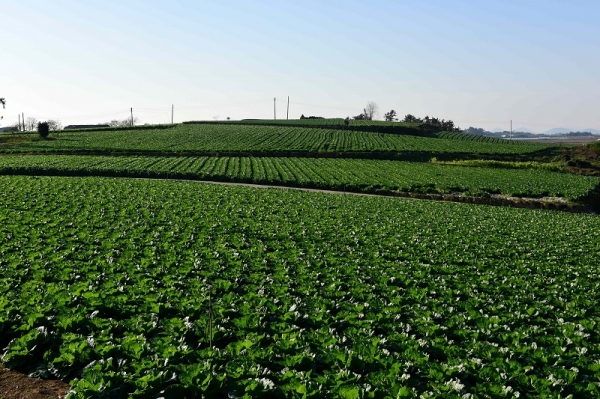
[205, 137]
[105, 283]
[335, 174]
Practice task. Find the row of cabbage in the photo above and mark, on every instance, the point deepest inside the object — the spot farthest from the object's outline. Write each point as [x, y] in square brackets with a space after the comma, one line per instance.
[223, 138]
[108, 283]
[308, 122]
[362, 175]
[473, 137]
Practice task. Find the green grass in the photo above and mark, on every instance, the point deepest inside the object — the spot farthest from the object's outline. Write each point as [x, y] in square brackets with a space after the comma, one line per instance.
[198, 138]
[336, 174]
[105, 283]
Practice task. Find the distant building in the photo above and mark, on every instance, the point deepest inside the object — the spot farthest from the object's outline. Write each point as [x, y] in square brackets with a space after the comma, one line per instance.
[85, 126]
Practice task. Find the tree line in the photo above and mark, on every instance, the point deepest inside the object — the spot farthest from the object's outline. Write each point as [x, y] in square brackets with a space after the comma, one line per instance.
[372, 109]
[31, 124]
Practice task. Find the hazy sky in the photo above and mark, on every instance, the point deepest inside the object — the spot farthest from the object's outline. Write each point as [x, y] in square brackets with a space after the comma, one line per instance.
[478, 62]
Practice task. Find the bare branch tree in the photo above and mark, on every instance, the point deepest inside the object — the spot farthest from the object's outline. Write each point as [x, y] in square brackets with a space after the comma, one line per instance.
[54, 125]
[371, 110]
[31, 124]
[122, 123]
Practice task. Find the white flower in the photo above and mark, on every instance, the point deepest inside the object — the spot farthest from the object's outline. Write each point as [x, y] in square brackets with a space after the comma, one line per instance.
[506, 389]
[455, 384]
[267, 383]
[292, 308]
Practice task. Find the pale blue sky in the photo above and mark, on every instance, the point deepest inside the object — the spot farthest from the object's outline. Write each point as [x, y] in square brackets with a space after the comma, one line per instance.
[479, 63]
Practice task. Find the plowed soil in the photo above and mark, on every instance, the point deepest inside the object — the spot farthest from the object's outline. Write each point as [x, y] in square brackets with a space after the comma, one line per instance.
[15, 385]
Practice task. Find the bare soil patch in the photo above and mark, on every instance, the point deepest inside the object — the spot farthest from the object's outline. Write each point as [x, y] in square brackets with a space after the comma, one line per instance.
[15, 385]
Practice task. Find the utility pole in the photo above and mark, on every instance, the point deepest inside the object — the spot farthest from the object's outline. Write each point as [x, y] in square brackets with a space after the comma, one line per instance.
[288, 109]
[131, 116]
[172, 110]
[19, 122]
[23, 120]
[274, 108]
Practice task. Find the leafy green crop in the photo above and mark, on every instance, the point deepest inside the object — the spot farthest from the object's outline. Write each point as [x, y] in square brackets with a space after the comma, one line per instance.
[106, 283]
[310, 122]
[256, 138]
[337, 174]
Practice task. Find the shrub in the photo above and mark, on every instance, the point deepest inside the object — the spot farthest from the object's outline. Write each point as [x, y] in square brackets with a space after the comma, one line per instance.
[43, 129]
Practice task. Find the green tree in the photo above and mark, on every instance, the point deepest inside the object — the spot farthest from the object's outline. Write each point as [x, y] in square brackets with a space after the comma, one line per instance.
[43, 129]
[391, 116]
[411, 118]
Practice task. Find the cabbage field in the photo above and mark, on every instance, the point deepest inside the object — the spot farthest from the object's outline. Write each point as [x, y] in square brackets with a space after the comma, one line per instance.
[221, 137]
[361, 175]
[138, 288]
[308, 122]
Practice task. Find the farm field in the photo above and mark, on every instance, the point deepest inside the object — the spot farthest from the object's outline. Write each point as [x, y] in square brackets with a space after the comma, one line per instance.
[409, 128]
[361, 175]
[106, 283]
[337, 123]
[190, 138]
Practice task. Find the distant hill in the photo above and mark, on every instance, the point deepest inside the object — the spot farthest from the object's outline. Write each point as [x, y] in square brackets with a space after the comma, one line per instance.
[556, 130]
[559, 130]
[563, 130]
[524, 129]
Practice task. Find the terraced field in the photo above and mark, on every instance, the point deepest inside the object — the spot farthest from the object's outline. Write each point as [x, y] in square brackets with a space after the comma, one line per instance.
[362, 175]
[143, 289]
[149, 288]
[194, 138]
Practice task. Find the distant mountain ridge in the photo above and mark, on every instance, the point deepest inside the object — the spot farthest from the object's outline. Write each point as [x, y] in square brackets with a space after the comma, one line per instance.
[562, 130]
[556, 130]
[523, 129]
